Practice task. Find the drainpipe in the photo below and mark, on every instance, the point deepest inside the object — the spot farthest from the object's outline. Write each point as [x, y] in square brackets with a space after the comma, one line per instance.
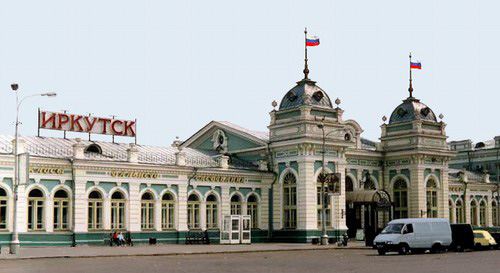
[73, 201]
[271, 199]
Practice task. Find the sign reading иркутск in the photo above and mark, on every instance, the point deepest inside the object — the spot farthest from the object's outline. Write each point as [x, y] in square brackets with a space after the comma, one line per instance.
[86, 124]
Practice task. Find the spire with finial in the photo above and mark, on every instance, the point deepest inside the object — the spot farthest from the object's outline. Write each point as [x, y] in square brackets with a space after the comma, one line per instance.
[410, 89]
[306, 69]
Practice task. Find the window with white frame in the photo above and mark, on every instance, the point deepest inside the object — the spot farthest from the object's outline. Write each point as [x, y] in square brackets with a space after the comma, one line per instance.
[400, 191]
[147, 211]
[3, 209]
[482, 213]
[61, 210]
[289, 201]
[167, 211]
[95, 203]
[193, 212]
[252, 210]
[432, 199]
[459, 211]
[212, 212]
[236, 205]
[117, 211]
[36, 210]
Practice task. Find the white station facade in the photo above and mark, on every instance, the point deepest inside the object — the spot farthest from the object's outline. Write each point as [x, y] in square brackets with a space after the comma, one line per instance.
[76, 192]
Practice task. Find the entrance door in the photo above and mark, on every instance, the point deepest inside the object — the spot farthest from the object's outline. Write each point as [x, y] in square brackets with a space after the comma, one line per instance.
[245, 229]
[235, 229]
[225, 233]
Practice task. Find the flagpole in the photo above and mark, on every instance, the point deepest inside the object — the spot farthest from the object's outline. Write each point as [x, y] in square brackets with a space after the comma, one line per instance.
[410, 89]
[306, 69]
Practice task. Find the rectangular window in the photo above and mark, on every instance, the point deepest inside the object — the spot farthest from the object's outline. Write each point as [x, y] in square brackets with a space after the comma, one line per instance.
[147, 215]
[252, 211]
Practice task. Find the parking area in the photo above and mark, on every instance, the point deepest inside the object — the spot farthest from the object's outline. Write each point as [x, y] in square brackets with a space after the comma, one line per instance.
[327, 260]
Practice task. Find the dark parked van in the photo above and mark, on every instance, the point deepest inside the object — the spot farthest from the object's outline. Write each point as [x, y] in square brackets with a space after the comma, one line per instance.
[462, 237]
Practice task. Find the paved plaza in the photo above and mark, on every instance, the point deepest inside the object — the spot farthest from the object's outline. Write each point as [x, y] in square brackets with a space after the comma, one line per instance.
[306, 260]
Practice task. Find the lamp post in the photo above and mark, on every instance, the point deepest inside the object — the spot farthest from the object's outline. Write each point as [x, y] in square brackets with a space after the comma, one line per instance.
[324, 235]
[14, 245]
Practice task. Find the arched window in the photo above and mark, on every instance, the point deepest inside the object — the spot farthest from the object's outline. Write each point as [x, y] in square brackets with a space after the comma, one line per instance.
[236, 205]
[494, 213]
[349, 186]
[212, 212]
[459, 211]
[61, 210]
[400, 190]
[193, 212]
[473, 213]
[147, 211]
[36, 214]
[289, 201]
[432, 199]
[328, 206]
[369, 185]
[117, 210]
[94, 220]
[3, 209]
[252, 210]
[482, 213]
[167, 211]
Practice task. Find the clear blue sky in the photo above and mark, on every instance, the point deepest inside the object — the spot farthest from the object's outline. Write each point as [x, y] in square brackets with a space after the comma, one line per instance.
[177, 65]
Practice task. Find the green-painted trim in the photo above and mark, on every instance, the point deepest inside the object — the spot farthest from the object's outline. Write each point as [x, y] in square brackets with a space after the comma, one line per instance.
[285, 115]
[397, 128]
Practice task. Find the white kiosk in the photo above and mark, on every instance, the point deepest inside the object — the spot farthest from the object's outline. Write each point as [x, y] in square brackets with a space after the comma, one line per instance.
[236, 229]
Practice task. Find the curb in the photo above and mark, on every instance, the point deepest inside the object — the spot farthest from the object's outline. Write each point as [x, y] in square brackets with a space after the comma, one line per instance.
[178, 253]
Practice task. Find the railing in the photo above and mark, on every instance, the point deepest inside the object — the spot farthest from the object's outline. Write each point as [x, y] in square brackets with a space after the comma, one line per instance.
[50, 150]
[157, 158]
[199, 161]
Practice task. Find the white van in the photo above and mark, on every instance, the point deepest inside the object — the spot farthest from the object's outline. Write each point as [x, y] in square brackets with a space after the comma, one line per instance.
[414, 234]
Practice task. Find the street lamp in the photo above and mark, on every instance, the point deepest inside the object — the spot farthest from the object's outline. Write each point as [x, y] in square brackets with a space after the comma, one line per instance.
[324, 235]
[14, 245]
[463, 179]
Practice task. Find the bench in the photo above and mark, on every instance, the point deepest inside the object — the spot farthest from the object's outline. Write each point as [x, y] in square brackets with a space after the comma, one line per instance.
[197, 237]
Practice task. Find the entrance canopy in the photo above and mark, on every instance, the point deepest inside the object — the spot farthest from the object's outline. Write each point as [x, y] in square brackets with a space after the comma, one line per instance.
[379, 198]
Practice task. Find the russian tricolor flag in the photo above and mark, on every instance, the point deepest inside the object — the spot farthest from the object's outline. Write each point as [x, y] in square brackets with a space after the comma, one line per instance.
[416, 65]
[312, 41]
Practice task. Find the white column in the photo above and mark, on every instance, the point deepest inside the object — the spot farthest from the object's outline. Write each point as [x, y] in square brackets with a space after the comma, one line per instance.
[182, 208]
[133, 210]
[244, 208]
[226, 202]
[106, 213]
[81, 206]
[157, 213]
[49, 214]
[22, 209]
[263, 209]
[203, 215]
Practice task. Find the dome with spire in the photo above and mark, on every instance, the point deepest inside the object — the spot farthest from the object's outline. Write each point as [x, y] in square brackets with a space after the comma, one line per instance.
[306, 92]
[412, 109]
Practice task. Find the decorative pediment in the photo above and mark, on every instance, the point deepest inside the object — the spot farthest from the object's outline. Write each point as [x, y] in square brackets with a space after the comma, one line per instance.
[225, 137]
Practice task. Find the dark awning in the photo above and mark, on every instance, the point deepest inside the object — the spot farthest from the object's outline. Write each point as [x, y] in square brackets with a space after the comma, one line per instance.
[380, 198]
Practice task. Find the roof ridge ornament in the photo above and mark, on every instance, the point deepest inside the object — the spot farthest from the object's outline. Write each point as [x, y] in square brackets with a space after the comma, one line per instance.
[410, 89]
[306, 68]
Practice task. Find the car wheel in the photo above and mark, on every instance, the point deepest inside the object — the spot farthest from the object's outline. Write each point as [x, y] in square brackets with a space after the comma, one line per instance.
[477, 246]
[459, 248]
[435, 248]
[381, 251]
[403, 249]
